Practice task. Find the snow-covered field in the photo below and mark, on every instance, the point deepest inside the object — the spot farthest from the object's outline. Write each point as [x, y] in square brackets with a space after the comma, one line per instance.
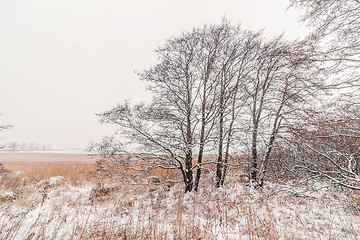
[55, 209]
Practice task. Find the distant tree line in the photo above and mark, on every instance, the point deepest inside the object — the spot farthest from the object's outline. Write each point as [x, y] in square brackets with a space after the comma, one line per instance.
[272, 106]
[32, 146]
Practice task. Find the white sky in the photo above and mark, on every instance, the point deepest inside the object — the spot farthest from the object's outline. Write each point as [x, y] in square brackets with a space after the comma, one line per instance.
[63, 61]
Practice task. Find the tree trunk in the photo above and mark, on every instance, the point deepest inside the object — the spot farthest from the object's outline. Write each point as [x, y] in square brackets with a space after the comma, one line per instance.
[198, 171]
[225, 166]
[220, 150]
[254, 160]
[202, 137]
[268, 152]
[189, 172]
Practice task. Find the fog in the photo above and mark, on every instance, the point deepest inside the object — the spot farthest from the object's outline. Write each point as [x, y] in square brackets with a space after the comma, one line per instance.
[63, 61]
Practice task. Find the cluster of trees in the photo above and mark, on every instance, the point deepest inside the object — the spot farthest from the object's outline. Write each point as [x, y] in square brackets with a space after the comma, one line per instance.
[227, 92]
[218, 89]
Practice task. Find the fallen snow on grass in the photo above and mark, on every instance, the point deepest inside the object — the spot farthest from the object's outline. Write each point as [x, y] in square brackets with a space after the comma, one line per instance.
[54, 209]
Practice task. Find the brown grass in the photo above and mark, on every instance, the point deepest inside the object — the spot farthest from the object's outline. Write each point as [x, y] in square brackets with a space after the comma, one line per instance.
[74, 167]
[80, 167]
[116, 169]
[48, 211]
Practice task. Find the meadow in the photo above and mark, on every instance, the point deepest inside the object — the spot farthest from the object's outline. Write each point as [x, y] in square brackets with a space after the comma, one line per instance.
[59, 196]
[74, 167]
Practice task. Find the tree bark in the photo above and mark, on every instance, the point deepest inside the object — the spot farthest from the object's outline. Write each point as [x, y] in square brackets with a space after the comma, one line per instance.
[220, 150]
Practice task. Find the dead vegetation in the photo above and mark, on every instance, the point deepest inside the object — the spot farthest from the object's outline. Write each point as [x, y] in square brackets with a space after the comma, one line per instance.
[73, 167]
[3, 171]
[56, 209]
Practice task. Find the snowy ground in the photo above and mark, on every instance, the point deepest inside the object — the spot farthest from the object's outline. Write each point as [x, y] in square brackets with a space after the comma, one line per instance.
[55, 209]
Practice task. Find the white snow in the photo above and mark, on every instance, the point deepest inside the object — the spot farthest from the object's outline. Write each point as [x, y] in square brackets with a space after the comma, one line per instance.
[281, 211]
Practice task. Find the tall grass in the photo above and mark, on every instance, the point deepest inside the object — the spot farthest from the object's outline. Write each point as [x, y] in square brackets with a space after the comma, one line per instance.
[74, 167]
[57, 209]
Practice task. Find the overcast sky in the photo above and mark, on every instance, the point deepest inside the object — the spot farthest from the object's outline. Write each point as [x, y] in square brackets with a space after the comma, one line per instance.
[63, 61]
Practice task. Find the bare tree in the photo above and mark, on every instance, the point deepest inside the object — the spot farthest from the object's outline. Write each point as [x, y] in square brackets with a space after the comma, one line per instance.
[213, 41]
[237, 65]
[164, 129]
[281, 86]
[328, 146]
[206, 86]
[197, 98]
[182, 115]
[337, 26]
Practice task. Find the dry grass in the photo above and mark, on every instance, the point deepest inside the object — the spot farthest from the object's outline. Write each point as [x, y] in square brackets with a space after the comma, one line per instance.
[55, 208]
[77, 167]
[74, 167]
[115, 168]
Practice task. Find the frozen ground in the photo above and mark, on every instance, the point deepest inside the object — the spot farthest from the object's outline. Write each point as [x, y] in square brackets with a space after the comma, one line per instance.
[55, 209]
